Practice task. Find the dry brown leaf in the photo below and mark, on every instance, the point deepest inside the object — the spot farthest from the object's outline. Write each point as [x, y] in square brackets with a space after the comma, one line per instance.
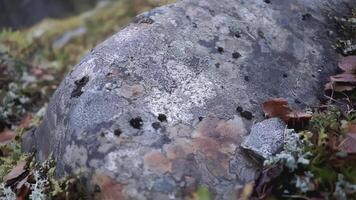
[110, 189]
[24, 192]
[22, 182]
[345, 81]
[277, 108]
[15, 173]
[351, 128]
[264, 183]
[344, 78]
[26, 121]
[6, 136]
[348, 144]
[339, 87]
[348, 64]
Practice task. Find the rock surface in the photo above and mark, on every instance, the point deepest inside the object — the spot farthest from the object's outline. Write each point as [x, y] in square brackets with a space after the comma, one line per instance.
[266, 138]
[162, 106]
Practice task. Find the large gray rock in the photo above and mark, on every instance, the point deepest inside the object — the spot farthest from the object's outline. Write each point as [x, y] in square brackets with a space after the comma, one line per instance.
[151, 111]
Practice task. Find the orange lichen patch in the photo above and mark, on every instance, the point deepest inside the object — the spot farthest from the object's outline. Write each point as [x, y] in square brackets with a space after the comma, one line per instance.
[132, 91]
[109, 188]
[217, 141]
[157, 162]
[218, 165]
[215, 135]
[179, 149]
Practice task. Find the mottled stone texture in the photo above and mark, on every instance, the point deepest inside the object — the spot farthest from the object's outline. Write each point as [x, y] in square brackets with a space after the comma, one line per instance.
[152, 112]
[266, 138]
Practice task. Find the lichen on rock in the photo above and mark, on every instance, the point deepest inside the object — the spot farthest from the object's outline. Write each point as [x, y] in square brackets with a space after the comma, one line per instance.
[165, 63]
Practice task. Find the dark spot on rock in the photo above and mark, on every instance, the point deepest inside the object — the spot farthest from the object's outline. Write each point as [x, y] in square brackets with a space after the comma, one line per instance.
[142, 19]
[297, 101]
[222, 87]
[236, 55]
[237, 35]
[247, 78]
[156, 125]
[217, 65]
[200, 118]
[195, 25]
[313, 75]
[162, 117]
[136, 122]
[102, 134]
[211, 44]
[261, 34]
[306, 16]
[285, 75]
[79, 84]
[220, 49]
[267, 1]
[97, 188]
[239, 109]
[117, 132]
[246, 114]
[212, 12]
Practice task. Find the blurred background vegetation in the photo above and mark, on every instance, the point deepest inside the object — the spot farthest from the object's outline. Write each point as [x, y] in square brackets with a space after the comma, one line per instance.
[40, 40]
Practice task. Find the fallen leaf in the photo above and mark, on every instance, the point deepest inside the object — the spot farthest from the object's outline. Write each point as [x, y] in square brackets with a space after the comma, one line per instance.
[23, 193]
[22, 182]
[109, 188]
[26, 121]
[344, 78]
[338, 87]
[345, 81]
[16, 174]
[264, 183]
[348, 144]
[351, 128]
[279, 108]
[348, 63]
[6, 136]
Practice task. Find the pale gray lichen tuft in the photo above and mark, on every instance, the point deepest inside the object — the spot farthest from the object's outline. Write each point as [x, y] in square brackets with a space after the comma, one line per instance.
[38, 188]
[343, 187]
[6, 193]
[293, 152]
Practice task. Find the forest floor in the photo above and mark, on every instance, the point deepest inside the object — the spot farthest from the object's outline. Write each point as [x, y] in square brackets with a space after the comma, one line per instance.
[33, 61]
